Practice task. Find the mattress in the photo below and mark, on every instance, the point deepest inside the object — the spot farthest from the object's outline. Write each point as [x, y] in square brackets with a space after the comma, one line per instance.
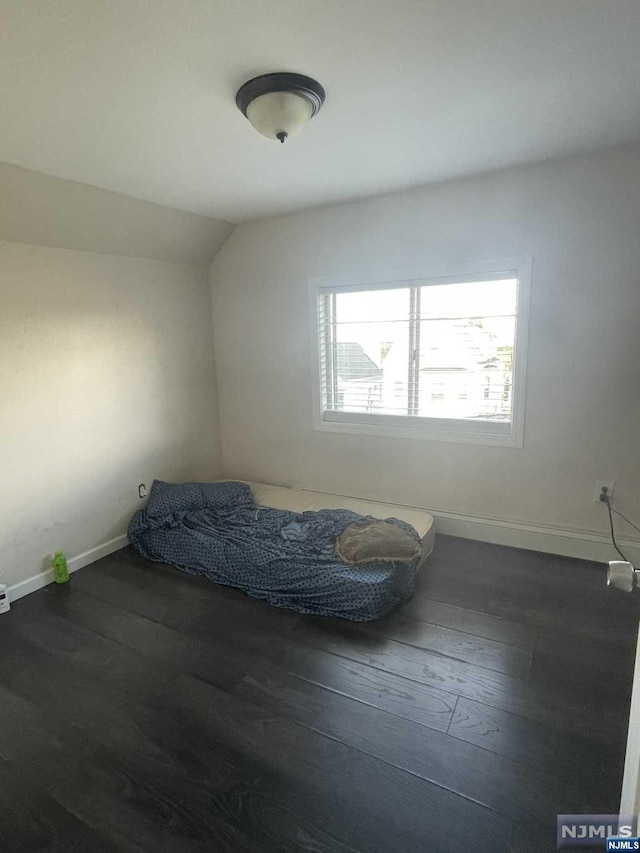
[301, 500]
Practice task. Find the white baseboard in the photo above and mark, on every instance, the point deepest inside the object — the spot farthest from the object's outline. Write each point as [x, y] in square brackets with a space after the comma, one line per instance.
[584, 544]
[18, 590]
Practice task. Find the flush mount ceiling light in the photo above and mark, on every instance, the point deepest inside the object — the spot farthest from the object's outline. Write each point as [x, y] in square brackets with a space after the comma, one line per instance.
[279, 105]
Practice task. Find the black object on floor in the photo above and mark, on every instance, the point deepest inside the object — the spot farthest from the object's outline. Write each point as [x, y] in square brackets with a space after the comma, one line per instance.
[143, 709]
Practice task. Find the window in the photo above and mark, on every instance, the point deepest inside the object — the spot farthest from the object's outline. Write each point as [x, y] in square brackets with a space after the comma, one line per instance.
[438, 356]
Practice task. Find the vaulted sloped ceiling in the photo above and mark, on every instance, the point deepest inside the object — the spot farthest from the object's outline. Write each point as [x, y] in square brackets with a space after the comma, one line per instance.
[37, 208]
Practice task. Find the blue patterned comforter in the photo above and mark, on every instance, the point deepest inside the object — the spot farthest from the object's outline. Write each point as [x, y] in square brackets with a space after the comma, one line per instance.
[285, 558]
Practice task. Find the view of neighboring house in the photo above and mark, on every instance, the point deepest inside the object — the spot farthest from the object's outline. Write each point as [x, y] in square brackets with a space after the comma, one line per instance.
[359, 378]
[464, 370]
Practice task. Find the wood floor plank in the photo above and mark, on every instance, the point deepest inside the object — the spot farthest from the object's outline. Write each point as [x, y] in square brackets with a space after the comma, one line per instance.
[517, 696]
[301, 754]
[494, 655]
[152, 770]
[421, 668]
[40, 747]
[500, 566]
[546, 613]
[425, 704]
[92, 709]
[508, 787]
[118, 647]
[127, 566]
[32, 821]
[561, 642]
[577, 677]
[534, 837]
[138, 783]
[537, 744]
[161, 807]
[564, 641]
[43, 629]
[524, 586]
[603, 654]
[449, 642]
[470, 621]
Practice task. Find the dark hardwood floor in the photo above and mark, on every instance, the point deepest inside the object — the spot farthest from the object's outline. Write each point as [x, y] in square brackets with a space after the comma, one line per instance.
[142, 709]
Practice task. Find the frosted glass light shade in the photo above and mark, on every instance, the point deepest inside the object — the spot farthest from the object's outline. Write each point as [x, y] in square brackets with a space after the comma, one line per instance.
[278, 105]
[279, 112]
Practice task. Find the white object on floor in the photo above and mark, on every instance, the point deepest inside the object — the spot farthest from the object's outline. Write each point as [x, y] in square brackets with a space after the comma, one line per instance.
[622, 575]
[4, 599]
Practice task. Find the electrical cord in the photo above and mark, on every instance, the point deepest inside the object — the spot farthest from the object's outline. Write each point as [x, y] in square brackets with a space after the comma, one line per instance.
[613, 535]
[617, 512]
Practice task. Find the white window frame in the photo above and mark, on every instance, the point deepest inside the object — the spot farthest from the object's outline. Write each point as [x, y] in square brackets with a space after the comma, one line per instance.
[433, 429]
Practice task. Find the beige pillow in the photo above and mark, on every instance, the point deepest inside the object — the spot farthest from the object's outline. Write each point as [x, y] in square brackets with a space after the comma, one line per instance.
[375, 542]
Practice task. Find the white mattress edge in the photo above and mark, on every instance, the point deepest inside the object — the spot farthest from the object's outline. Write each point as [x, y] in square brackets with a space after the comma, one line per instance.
[420, 519]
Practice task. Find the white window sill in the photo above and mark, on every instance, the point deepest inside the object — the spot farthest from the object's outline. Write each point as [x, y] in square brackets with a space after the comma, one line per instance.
[496, 434]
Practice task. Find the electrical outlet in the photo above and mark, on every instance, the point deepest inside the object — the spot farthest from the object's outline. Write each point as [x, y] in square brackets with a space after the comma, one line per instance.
[609, 485]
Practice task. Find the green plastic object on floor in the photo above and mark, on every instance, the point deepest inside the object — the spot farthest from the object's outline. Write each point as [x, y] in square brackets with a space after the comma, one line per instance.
[60, 568]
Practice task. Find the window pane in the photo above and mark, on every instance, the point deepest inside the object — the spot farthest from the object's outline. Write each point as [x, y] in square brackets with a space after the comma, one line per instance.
[469, 299]
[466, 340]
[368, 361]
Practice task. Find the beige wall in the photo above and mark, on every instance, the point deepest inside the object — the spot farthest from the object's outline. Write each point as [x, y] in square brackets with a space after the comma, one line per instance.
[578, 218]
[106, 381]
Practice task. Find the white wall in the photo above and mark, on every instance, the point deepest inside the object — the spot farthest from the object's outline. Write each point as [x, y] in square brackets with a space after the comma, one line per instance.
[106, 381]
[578, 218]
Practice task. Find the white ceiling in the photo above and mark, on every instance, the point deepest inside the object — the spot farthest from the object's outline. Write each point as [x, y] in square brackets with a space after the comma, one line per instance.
[137, 96]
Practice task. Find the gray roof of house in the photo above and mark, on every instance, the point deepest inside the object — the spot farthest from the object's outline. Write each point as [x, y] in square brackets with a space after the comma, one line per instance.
[354, 363]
